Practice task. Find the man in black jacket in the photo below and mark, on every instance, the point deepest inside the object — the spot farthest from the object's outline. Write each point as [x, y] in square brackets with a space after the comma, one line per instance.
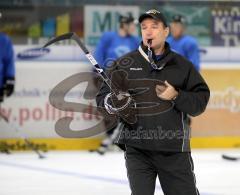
[157, 143]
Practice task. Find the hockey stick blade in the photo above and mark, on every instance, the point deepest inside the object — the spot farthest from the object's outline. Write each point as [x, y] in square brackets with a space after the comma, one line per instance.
[59, 38]
[41, 156]
[226, 157]
[28, 143]
[70, 35]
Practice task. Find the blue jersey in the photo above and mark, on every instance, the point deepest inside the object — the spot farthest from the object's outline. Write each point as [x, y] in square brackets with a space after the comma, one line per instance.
[186, 46]
[112, 46]
[7, 68]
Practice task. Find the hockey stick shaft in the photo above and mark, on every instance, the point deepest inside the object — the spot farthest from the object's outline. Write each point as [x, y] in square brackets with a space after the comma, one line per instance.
[28, 143]
[89, 56]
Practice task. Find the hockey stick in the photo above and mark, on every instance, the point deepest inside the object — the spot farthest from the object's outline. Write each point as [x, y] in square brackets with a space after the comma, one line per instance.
[232, 158]
[106, 79]
[28, 143]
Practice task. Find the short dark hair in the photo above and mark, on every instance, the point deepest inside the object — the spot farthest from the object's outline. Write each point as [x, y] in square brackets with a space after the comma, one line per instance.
[126, 19]
[179, 19]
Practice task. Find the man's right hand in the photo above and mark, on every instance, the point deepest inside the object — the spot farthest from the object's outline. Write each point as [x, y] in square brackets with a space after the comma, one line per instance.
[120, 105]
[116, 103]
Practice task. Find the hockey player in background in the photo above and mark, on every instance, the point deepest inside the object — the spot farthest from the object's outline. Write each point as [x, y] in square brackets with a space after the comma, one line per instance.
[7, 67]
[181, 43]
[7, 70]
[113, 45]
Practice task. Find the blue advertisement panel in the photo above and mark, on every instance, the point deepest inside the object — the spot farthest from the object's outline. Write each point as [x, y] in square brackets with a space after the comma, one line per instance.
[226, 26]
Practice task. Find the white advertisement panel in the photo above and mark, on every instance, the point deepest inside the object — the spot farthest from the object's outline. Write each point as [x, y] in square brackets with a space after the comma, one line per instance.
[29, 108]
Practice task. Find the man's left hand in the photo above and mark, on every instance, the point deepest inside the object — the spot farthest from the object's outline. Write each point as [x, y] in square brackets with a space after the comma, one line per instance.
[167, 93]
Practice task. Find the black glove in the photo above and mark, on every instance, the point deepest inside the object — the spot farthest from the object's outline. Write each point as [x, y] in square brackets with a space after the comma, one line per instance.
[9, 86]
[120, 105]
[1, 95]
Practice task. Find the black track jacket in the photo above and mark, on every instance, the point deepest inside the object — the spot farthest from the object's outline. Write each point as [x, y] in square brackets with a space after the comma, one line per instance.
[165, 131]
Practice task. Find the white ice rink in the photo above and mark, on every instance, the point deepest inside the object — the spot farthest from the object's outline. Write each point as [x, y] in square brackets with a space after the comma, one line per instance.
[83, 173]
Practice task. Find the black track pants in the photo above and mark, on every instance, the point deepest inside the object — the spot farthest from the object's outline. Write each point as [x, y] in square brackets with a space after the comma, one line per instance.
[174, 170]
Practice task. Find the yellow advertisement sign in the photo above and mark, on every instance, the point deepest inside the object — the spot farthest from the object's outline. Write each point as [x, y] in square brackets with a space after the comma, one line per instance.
[63, 24]
[222, 116]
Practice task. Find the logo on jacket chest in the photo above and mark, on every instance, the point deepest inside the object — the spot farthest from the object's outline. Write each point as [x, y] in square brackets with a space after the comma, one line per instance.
[136, 69]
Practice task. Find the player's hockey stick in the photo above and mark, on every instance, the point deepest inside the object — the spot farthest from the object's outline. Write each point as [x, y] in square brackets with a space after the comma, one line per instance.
[28, 143]
[114, 90]
[228, 157]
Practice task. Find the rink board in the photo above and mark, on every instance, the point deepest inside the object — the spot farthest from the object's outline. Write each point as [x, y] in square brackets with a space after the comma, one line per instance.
[29, 109]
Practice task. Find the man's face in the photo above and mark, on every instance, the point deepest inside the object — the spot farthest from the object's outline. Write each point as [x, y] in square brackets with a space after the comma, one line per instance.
[155, 30]
[177, 29]
[129, 28]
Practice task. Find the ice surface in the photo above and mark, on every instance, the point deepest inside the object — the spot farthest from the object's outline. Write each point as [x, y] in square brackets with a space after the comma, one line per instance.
[83, 173]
